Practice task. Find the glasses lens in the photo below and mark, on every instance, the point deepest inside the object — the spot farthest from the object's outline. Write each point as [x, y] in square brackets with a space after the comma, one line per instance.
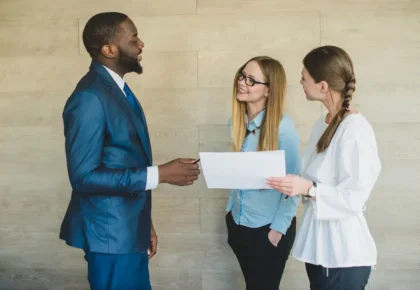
[250, 82]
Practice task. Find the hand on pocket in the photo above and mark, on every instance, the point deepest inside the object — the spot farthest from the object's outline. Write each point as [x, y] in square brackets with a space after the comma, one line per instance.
[274, 237]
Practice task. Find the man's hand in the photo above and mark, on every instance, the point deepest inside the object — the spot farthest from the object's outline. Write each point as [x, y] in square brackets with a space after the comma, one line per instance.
[181, 171]
[153, 243]
[274, 237]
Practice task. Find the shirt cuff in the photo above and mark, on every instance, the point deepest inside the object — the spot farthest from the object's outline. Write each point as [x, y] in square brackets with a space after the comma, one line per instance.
[152, 177]
[281, 225]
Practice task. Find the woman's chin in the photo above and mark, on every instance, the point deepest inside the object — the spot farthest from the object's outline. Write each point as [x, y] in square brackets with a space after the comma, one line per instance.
[241, 97]
[308, 97]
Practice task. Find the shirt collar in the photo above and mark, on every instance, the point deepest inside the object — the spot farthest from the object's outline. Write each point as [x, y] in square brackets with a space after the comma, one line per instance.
[256, 122]
[119, 80]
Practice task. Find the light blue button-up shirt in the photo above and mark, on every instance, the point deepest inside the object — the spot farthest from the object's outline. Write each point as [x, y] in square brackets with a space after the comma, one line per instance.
[257, 208]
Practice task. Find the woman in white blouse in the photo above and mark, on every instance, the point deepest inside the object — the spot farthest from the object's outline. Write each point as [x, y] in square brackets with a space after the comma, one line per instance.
[339, 169]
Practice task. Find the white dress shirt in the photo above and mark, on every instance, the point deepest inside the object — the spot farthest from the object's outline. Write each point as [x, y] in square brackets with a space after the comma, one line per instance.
[152, 171]
[333, 232]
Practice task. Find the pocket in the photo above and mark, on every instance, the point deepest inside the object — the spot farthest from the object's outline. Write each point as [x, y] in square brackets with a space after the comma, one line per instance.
[271, 245]
[268, 240]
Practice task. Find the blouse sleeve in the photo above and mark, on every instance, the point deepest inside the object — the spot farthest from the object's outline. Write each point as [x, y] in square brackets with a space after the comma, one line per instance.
[358, 169]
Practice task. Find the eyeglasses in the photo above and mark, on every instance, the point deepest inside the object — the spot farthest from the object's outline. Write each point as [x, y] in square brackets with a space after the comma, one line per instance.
[250, 81]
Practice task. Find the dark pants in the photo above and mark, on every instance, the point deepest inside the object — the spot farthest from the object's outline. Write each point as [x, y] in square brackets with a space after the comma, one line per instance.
[118, 272]
[262, 263]
[354, 278]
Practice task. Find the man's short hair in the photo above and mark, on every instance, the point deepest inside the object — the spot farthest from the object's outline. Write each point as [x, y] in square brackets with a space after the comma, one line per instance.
[100, 30]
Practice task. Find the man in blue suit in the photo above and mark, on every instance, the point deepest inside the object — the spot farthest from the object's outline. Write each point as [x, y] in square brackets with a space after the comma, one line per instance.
[109, 161]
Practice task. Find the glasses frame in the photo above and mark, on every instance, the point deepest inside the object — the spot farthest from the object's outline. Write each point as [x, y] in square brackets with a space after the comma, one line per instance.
[250, 81]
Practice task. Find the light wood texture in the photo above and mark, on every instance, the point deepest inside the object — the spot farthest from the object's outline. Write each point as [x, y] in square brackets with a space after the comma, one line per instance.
[192, 50]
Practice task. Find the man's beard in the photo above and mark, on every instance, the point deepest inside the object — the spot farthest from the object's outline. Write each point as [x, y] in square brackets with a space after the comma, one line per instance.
[129, 64]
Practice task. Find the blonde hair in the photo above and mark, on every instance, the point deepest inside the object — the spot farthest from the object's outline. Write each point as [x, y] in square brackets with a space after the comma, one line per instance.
[334, 66]
[275, 75]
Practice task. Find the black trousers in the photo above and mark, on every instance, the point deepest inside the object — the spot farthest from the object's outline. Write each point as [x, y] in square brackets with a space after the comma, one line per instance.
[353, 278]
[262, 263]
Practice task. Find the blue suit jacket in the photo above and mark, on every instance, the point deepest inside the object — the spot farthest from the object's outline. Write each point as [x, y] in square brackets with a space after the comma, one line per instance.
[108, 152]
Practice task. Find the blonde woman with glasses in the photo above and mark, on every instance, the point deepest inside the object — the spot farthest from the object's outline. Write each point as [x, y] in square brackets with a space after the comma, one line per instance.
[261, 223]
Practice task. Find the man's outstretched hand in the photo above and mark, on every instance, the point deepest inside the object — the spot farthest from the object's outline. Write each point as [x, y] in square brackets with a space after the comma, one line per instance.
[181, 171]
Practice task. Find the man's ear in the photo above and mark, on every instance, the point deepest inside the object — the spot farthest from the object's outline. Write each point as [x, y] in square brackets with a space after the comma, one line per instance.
[109, 51]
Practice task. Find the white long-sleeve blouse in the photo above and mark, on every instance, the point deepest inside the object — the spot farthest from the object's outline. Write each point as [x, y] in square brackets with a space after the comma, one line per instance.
[333, 231]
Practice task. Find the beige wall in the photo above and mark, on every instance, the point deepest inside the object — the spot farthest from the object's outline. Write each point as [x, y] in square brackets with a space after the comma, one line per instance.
[192, 50]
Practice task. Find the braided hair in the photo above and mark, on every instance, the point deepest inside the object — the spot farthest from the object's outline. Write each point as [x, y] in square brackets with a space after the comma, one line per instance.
[334, 66]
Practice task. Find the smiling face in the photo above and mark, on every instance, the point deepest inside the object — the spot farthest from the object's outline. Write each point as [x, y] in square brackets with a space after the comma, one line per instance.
[130, 48]
[259, 84]
[248, 93]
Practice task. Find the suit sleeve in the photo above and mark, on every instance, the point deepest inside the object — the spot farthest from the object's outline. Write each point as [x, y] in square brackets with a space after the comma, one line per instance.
[84, 129]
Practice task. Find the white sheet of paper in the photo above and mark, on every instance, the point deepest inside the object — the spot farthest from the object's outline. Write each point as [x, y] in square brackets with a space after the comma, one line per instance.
[242, 170]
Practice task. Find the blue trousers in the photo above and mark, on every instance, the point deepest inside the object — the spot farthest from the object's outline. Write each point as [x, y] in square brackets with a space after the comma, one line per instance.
[118, 272]
[354, 278]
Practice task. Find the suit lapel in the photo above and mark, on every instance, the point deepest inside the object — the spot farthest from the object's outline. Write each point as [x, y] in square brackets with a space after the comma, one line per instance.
[143, 119]
[139, 122]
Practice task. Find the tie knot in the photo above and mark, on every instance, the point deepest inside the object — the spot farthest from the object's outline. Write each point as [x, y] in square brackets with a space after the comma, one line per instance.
[251, 131]
[130, 96]
[127, 89]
